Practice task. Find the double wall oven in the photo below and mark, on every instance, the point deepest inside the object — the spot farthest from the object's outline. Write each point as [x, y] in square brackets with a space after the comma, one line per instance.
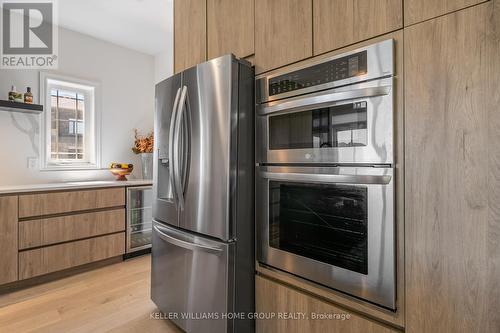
[325, 176]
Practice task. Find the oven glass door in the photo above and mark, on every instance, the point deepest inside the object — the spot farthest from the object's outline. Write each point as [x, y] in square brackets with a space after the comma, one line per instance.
[345, 125]
[331, 225]
[336, 126]
[324, 222]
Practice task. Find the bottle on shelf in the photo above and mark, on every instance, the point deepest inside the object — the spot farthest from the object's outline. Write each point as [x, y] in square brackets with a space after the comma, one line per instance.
[28, 96]
[14, 96]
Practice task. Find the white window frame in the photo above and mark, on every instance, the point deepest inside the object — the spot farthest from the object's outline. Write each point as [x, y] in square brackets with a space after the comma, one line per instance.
[92, 148]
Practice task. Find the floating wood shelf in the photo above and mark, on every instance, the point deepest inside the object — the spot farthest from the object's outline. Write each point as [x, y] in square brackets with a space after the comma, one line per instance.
[20, 107]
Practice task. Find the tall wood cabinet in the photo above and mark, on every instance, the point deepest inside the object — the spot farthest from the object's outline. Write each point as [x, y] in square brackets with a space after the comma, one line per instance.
[283, 32]
[190, 33]
[230, 27]
[452, 177]
[8, 239]
[421, 10]
[338, 23]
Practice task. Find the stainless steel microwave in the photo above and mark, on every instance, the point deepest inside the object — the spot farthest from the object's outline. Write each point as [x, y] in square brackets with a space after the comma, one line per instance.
[337, 111]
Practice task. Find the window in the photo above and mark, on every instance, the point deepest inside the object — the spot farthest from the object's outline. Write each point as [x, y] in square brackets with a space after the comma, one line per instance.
[71, 130]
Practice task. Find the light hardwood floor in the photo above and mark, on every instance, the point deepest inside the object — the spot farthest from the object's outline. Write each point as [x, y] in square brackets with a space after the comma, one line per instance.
[114, 298]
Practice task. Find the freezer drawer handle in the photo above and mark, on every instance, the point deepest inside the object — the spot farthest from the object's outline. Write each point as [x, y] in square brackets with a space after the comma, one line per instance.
[184, 244]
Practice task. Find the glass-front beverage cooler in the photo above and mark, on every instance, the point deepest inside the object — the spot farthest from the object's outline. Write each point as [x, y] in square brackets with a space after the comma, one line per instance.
[139, 218]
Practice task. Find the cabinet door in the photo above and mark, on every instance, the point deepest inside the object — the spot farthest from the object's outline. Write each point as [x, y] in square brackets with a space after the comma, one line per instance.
[452, 176]
[230, 27]
[190, 33]
[342, 22]
[8, 239]
[421, 10]
[274, 298]
[283, 32]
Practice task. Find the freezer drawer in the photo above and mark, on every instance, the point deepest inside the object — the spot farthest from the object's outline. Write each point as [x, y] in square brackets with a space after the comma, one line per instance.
[191, 276]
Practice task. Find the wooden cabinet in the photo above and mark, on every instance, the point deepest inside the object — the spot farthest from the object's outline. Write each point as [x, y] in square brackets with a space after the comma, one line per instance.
[283, 32]
[190, 33]
[33, 205]
[8, 239]
[54, 230]
[230, 27]
[420, 10]
[452, 185]
[58, 257]
[338, 23]
[275, 298]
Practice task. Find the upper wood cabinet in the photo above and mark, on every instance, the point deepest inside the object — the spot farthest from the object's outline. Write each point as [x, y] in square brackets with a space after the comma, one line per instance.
[190, 33]
[421, 10]
[338, 23]
[283, 32]
[8, 239]
[452, 175]
[230, 27]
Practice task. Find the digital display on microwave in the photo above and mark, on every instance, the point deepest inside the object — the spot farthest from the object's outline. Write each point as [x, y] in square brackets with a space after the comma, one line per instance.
[330, 71]
[332, 127]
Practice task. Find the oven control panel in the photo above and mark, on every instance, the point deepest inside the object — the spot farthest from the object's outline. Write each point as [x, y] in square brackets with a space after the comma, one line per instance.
[330, 71]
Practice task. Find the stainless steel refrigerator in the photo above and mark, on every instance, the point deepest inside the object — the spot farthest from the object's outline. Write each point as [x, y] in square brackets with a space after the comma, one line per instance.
[203, 211]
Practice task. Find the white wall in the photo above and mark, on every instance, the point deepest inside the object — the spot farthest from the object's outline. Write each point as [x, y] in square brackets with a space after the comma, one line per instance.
[164, 62]
[127, 81]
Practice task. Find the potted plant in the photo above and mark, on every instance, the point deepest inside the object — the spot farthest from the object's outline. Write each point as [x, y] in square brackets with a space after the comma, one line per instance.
[143, 145]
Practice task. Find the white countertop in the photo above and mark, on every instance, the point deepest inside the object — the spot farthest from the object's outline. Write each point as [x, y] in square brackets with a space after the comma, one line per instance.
[71, 186]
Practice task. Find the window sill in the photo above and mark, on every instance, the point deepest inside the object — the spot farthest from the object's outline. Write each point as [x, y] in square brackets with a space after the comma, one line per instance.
[71, 168]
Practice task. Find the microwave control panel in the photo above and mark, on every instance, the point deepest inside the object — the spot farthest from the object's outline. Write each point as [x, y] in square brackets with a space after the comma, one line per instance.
[330, 71]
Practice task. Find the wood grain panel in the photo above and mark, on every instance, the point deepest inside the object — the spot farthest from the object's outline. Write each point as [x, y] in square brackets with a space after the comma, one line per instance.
[33, 205]
[58, 257]
[230, 27]
[338, 23]
[8, 239]
[452, 100]
[66, 228]
[190, 33]
[276, 298]
[283, 32]
[420, 10]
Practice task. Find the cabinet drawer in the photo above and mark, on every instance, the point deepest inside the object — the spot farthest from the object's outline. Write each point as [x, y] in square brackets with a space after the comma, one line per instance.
[272, 297]
[58, 257]
[53, 230]
[32, 205]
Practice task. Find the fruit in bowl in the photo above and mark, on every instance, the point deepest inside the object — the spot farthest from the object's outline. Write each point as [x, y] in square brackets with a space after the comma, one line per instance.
[120, 170]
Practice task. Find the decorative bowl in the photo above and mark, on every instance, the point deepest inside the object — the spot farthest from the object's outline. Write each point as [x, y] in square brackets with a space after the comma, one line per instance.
[121, 173]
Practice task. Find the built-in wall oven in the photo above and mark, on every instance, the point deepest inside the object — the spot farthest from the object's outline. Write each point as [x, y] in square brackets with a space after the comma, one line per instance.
[325, 176]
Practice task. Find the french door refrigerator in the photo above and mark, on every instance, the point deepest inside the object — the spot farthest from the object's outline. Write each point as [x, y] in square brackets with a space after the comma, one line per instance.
[203, 213]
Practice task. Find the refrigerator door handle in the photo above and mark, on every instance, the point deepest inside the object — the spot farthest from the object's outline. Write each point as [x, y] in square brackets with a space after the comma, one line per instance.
[163, 233]
[180, 183]
[171, 164]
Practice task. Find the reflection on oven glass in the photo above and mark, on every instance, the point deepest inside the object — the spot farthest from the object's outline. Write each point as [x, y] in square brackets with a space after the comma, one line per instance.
[336, 126]
[328, 223]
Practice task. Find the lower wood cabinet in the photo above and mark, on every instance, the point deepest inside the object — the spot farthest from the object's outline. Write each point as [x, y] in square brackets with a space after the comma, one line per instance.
[60, 229]
[58, 257]
[34, 205]
[8, 239]
[320, 317]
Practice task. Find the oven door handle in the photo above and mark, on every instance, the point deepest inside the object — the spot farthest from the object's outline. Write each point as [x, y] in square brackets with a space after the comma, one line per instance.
[322, 178]
[319, 101]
